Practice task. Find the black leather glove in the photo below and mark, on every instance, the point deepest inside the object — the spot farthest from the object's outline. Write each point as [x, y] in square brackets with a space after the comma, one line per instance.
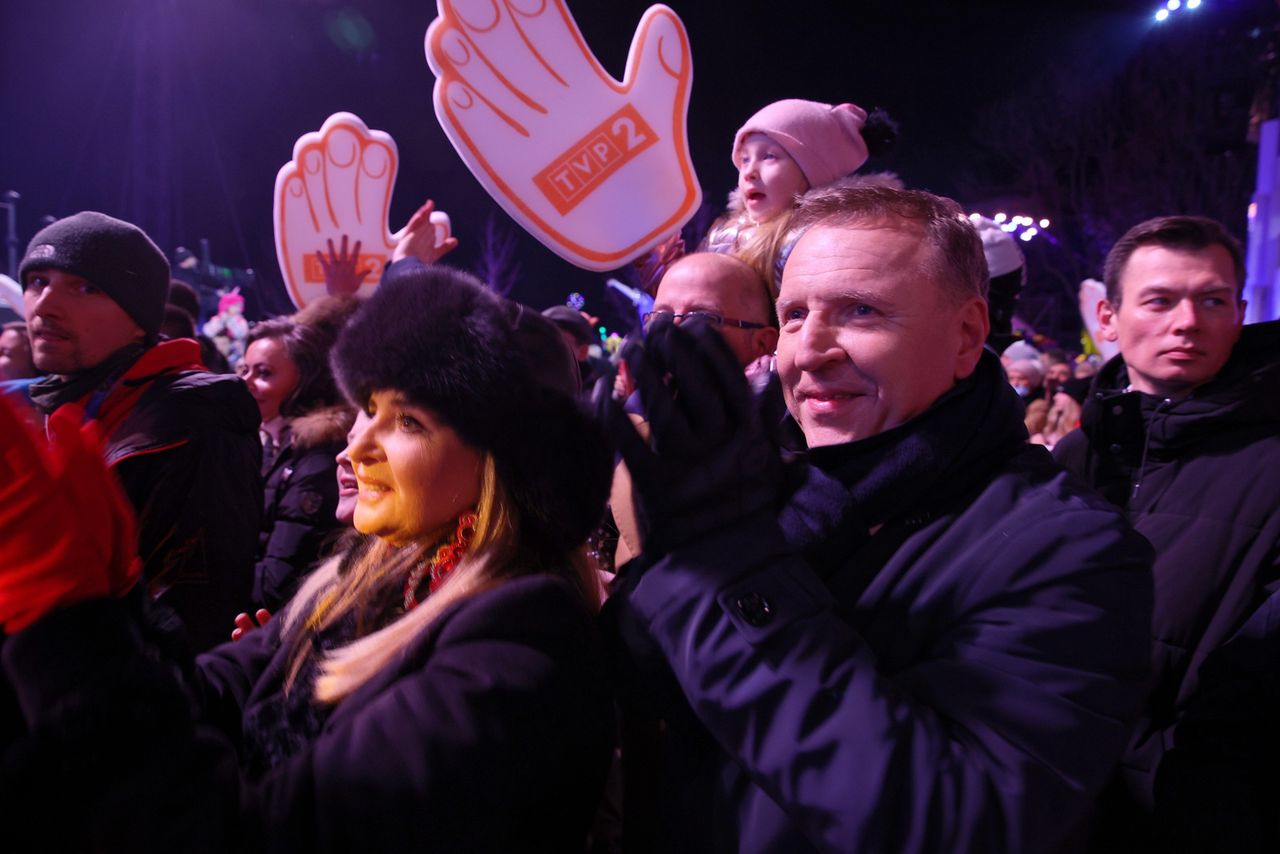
[709, 461]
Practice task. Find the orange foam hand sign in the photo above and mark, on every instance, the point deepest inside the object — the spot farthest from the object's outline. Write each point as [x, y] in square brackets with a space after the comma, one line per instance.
[597, 169]
[338, 185]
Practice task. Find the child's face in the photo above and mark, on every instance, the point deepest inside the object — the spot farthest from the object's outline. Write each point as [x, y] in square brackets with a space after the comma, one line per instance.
[768, 179]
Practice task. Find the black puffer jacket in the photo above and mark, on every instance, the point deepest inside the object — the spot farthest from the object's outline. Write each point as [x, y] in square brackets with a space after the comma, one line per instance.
[184, 444]
[1200, 478]
[299, 500]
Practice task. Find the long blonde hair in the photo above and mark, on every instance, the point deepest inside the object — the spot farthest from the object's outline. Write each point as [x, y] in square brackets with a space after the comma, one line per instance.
[343, 586]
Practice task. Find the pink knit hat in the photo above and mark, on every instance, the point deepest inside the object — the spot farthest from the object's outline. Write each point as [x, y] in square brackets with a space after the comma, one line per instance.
[824, 141]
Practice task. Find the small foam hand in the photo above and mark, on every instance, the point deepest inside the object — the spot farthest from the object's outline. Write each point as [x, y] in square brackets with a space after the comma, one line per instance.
[337, 188]
[709, 461]
[66, 529]
[597, 169]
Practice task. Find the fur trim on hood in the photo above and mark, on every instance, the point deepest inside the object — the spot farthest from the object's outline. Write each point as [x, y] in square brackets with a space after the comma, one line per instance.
[325, 426]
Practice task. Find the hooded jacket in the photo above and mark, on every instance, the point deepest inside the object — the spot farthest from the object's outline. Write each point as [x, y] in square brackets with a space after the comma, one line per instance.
[961, 680]
[299, 500]
[1200, 478]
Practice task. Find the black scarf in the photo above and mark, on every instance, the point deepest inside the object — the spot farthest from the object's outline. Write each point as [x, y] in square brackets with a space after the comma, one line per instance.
[905, 472]
[54, 390]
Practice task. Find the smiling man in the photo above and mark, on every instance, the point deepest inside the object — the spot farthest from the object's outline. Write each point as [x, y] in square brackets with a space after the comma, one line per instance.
[182, 441]
[924, 637]
[1182, 430]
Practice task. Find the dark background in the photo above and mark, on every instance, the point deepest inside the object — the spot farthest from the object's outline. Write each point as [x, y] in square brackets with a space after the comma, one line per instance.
[176, 114]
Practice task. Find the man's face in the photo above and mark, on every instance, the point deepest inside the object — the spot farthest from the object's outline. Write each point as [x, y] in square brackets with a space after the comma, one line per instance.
[15, 356]
[868, 340]
[1179, 317]
[717, 284]
[73, 325]
[1057, 373]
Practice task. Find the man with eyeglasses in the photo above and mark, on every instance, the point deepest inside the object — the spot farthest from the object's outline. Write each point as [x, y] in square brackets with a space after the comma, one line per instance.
[726, 293]
[723, 292]
[918, 633]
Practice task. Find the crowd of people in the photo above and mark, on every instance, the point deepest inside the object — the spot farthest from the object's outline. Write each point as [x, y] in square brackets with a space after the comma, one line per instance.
[795, 571]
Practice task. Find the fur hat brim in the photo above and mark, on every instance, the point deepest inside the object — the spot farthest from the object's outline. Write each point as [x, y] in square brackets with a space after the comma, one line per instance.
[500, 375]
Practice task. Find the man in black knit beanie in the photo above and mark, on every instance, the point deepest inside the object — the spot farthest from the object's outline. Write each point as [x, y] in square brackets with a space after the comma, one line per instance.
[182, 441]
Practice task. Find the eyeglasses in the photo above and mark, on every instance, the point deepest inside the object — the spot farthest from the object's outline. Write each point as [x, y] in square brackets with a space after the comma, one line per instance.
[707, 317]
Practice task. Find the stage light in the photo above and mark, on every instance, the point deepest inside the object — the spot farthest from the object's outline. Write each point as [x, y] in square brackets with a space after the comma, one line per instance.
[1193, 4]
[1044, 223]
[1162, 15]
[998, 218]
[1174, 5]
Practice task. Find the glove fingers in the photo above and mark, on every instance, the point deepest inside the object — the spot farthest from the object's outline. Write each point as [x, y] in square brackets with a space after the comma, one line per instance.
[659, 390]
[611, 413]
[702, 393]
[771, 408]
[730, 379]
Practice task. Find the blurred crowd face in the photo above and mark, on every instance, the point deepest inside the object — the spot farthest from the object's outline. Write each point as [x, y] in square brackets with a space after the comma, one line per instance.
[72, 324]
[270, 375]
[415, 474]
[725, 286]
[1057, 374]
[1179, 317]
[868, 339]
[15, 356]
[768, 179]
[1024, 383]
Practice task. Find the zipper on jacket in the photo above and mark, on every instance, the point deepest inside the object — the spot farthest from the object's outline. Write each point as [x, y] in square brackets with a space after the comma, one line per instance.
[1146, 446]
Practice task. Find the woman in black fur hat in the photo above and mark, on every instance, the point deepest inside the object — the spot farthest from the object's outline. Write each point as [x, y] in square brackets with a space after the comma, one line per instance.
[440, 688]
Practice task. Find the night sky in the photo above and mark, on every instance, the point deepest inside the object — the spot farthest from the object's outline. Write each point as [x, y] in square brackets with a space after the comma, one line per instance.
[230, 85]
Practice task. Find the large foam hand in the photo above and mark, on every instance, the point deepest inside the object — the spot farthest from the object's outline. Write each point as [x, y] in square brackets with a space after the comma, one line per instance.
[597, 169]
[66, 530]
[337, 187]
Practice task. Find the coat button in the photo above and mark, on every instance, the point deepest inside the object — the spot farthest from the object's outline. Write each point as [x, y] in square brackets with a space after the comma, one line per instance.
[1115, 449]
[1117, 410]
[754, 608]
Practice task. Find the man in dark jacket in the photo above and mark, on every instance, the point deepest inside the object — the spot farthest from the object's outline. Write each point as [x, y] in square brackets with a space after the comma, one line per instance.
[182, 441]
[924, 637]
[1182, 430]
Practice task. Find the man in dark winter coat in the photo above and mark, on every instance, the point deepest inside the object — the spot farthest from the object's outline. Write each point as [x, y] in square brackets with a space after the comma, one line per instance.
[1182, 430]
[925, 636]
[182, 441]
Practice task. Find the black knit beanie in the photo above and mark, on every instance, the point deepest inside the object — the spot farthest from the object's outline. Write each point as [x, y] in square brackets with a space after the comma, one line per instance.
[115, 256]
[500, 375]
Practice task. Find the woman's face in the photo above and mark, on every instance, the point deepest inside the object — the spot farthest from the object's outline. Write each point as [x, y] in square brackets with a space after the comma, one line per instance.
[270, 375]
[768, 179]
[415, 474]
[348, 488]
